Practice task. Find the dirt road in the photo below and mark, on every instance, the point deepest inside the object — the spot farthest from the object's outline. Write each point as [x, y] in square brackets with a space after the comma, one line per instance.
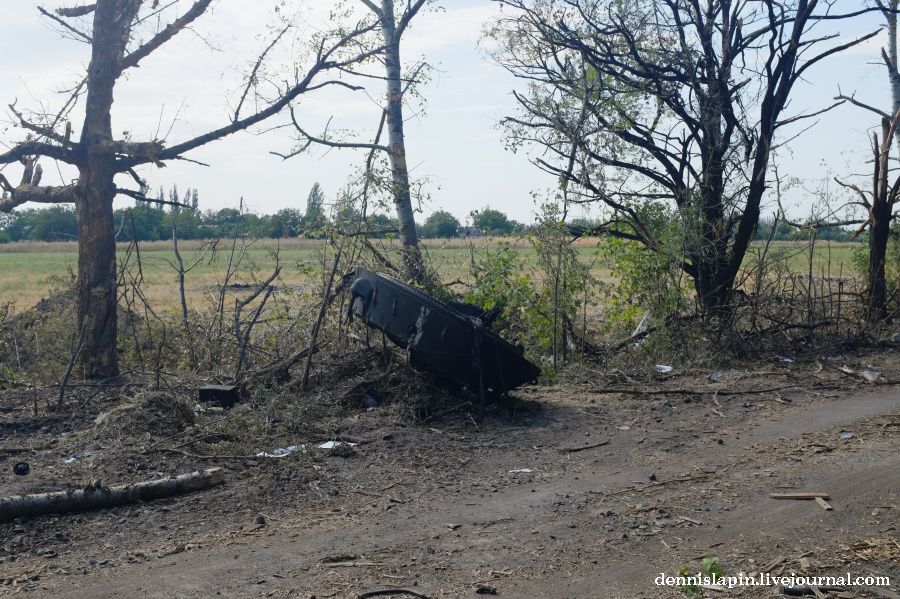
[527, 506]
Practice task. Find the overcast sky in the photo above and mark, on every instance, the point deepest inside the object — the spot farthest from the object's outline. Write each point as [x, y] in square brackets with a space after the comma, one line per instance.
[186, 88]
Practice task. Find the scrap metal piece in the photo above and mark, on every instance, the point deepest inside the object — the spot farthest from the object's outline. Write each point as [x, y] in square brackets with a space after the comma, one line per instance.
[439, 338]
[224, 396]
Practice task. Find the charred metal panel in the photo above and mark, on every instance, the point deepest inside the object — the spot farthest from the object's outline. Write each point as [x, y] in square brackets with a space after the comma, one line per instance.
[440, 339]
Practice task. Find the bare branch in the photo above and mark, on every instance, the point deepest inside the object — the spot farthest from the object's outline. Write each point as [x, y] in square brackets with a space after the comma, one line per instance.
[856, 102]
[306, 84]
[47, 132]
[810, 115]
[373, 7]
[251, 79]
[36, 148]
[407, 17]
[76, 11]
[142, 198]
[78, 33]
[330, 143]
[170, 31]
[67, 194]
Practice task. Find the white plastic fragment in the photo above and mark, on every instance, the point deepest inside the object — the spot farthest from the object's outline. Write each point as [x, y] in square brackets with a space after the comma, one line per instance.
[282, 452]
[333, 444]
[664, 368]
[871, 376]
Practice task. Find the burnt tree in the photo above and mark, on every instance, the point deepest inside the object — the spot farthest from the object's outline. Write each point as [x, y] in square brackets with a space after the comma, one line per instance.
[672, 102]
[111, 29]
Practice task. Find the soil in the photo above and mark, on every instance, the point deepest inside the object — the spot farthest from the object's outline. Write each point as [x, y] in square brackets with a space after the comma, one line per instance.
[582, 492]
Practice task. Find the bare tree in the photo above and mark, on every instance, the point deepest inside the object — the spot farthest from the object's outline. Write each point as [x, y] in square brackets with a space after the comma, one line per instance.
[392, 23]
[879, 201]
[113, 35]
[672, 102]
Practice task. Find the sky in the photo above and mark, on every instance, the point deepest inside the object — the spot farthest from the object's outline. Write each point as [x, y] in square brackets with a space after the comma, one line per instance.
[454, 144]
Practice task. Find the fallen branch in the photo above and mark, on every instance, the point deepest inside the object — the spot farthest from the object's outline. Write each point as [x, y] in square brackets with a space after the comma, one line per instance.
[380, 593]
[94, 497]
[197, 456]
[800, 591]
[582, 448]
[798, 495]
[711, 391]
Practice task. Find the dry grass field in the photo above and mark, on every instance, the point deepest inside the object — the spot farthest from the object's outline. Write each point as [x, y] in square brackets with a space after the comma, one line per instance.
[28, 270]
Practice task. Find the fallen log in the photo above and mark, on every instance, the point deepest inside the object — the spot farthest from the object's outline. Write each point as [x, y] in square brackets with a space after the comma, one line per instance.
[95, 496]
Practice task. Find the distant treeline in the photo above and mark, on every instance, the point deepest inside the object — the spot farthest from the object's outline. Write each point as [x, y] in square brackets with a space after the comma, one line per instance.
[174, 213]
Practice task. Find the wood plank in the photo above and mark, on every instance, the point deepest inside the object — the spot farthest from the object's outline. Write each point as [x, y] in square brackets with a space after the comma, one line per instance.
[805, 495]
[825, 505]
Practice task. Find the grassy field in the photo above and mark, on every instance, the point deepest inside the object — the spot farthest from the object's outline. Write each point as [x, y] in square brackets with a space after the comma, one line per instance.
[27, 270]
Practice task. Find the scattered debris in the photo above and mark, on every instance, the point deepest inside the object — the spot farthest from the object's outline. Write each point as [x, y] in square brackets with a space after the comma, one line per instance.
[885, 549]
[523, 470]
[153, 412]
[846, 436]
[95, 495]
[21, 468]
[785, 360]
[728, 376]
[485, 589]
[333, 444]
[871, 376]
[774, 563]
[282, 452]
[663, 368]
[224, 396]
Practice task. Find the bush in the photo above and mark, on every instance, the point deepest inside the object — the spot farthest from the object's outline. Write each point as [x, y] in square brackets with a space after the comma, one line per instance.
[648, 280]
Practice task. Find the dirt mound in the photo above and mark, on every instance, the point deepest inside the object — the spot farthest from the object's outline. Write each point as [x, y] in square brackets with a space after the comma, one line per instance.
[154, 412]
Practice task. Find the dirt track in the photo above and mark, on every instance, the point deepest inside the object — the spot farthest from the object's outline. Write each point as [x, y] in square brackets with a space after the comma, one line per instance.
[446, 507]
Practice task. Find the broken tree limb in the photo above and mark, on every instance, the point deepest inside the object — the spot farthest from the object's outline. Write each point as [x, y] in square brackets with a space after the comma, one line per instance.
[799, 495]
[583, 447]
[93, 497]
[803, 590]
[391, 592]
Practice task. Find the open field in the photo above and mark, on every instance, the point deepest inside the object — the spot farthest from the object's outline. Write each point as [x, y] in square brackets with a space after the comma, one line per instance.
[27, 269]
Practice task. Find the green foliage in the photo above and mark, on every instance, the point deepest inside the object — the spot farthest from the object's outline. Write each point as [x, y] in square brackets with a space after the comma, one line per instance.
[314, 220]
[649, 279]
[501, 281]
[709, 567]
[860, 258]
[440, 224]
[492, 222]
[535, 307]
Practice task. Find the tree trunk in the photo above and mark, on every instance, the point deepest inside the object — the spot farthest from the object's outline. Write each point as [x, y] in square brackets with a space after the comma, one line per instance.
[397, 144]
[878, 241]
[91, 497]
[96, 233]
[893, 71]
